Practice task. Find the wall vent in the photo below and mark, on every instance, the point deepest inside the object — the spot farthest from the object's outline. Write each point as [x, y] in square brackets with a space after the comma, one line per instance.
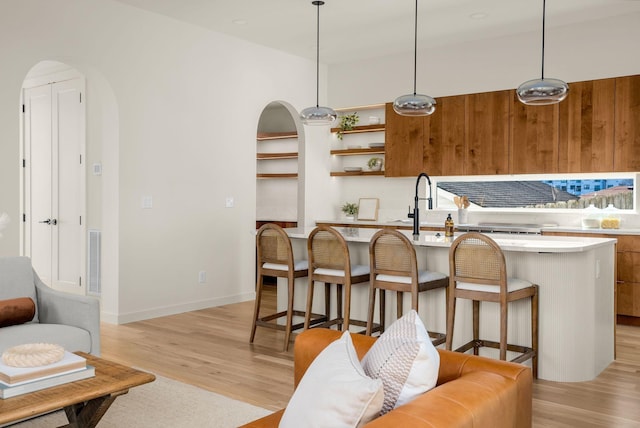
[93, 262]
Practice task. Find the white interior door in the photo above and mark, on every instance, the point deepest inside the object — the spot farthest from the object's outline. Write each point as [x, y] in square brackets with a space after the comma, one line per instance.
[55, 182]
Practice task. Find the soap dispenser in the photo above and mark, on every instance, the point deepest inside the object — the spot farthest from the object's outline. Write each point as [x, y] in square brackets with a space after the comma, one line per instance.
[448, 226]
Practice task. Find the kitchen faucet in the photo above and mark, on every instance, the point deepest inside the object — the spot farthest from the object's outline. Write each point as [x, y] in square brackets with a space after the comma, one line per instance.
[415, 215]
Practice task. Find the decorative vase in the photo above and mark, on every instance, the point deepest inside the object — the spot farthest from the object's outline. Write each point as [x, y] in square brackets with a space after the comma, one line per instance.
[375, 164]
[463, 216]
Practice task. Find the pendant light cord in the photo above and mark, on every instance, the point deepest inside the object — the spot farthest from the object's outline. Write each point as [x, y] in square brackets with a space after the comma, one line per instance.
[544, 12]
[415, 49]
[318, 4]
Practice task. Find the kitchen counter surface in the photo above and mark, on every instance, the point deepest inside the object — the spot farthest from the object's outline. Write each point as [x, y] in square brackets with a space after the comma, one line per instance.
[508, 242]
[407, 224]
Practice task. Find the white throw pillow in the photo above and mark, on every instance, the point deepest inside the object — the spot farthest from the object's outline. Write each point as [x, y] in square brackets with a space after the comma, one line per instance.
[405, 360]
[334, 391]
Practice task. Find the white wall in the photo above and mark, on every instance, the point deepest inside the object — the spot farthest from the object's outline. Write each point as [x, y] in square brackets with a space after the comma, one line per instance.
[172, 114]
[594, 50]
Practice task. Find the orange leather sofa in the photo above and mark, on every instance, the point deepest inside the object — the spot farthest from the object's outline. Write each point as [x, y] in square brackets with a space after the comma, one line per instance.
[471, 391]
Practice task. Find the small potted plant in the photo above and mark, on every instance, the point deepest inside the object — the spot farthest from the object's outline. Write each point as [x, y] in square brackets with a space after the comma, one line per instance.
[347, 122]
[350, 209]
[375, 164]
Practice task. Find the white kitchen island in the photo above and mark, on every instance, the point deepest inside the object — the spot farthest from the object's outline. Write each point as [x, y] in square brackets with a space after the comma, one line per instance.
[576, 278]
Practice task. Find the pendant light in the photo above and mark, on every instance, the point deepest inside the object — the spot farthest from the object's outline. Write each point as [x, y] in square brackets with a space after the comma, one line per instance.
[542, 91]
[414, 104]
[317, 115]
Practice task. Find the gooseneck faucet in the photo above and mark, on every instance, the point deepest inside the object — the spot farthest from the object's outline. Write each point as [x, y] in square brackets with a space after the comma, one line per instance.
[415, 215]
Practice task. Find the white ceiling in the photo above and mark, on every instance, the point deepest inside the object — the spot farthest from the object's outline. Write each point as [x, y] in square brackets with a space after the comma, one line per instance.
[358, 29]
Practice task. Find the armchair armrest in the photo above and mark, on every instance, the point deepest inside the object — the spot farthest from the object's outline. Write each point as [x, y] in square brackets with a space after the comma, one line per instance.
[56, 307]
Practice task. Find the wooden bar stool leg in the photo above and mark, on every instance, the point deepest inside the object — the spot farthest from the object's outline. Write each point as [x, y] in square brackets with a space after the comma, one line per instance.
[347, 305]
[372, 304]
[256, 308]
[534, 332]
[451, 319]
[504, 310]
[339, 313]
[399, 302]
[307, 315]
[289, 324]
[383, 315]
[476, 326]
[327, 302]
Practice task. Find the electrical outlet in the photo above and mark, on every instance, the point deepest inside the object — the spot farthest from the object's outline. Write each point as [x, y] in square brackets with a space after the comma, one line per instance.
[229, 202]
[202, 277]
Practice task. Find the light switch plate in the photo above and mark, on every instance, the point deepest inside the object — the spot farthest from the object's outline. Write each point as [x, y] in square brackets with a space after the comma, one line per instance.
[147, 202]
[229, 202]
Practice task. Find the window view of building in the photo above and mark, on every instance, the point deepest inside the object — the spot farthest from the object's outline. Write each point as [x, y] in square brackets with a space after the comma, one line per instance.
[569, 194]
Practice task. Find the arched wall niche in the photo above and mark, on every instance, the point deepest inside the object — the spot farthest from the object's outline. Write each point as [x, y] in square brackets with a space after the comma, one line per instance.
[280, 150]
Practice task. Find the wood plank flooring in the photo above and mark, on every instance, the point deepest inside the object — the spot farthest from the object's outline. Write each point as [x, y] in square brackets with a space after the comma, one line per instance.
[210, 349]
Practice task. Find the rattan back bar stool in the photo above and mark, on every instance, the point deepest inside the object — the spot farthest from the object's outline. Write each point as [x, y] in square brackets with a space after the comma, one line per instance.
[274, 257]
[394, 267]
[478, 272]
[330, 263]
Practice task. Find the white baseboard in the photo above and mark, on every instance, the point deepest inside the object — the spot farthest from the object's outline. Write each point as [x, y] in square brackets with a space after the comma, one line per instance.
[111, 318]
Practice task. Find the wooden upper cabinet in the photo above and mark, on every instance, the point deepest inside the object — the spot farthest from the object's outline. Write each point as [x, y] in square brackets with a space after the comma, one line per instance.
[444, 146]
[587, 127]
[533, 138]
[487, 133]
[404, 137]
[627, 122]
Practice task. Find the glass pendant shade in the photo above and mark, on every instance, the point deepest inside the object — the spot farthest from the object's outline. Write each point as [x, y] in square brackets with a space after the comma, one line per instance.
[414, 105]
[318, 115]
[542, 91]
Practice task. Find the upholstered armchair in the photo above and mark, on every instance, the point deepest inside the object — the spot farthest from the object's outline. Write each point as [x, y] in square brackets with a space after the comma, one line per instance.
[69, 320]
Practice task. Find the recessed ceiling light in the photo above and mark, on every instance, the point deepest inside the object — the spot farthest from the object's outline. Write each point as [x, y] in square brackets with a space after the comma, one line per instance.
[478, 15]
[240, 21]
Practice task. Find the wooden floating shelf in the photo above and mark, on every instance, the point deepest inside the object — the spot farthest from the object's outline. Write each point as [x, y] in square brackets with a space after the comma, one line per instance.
[265, 136]
[358, 108]
[278, 175]
[355, 173]
[362, 151]
[270, 156]
[363, 128]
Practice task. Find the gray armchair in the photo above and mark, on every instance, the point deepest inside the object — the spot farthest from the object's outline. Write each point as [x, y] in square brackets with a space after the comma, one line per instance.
[70, 320]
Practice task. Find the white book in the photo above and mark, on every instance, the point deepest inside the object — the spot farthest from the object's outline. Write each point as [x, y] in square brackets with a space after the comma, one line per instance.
[13, 375]
[7, 391]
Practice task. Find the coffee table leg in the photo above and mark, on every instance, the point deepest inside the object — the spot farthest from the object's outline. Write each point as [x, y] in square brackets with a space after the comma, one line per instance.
[88, 414]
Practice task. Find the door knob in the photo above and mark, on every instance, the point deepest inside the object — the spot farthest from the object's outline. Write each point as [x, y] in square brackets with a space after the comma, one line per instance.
[50, 221]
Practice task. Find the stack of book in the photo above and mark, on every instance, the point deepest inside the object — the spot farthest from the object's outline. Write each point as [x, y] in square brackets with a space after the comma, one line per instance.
[17, 381]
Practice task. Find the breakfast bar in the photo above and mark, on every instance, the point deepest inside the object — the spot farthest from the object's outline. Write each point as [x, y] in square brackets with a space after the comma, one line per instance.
[575, 275]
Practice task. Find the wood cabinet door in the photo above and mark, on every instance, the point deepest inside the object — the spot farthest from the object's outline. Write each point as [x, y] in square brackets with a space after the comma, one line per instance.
[587, 127]
[487, 133]
[404, 137]
[627, 124]
[533, 139]
[444, 130]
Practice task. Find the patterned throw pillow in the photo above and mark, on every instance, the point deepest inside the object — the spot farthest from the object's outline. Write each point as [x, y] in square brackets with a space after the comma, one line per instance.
[405, 360]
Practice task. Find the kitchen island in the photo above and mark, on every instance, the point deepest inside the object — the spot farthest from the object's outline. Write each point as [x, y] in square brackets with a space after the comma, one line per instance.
[576, 276]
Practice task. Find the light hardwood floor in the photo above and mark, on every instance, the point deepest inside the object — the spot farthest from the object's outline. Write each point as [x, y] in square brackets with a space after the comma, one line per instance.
[210, 349]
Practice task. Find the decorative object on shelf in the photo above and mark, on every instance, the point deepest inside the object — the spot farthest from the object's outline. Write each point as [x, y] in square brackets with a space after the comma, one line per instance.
[542, 91]
[350, 209]
[375, 164]
[347, 122]
[368, 209]
[374, 120]
[414, 104]
[352, 169]
[317, 115]
[376, 145]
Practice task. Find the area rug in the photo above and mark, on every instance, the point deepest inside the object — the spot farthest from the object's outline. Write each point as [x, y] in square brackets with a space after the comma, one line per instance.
[165, 403]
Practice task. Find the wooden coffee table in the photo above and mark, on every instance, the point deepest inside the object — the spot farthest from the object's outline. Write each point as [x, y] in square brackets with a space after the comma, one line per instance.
[84, 401]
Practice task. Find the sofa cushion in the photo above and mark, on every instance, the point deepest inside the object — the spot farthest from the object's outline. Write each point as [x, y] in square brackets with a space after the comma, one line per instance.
[334, 392]
[69, 337]
[16, 280]
[405, 360]
[16, 311]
